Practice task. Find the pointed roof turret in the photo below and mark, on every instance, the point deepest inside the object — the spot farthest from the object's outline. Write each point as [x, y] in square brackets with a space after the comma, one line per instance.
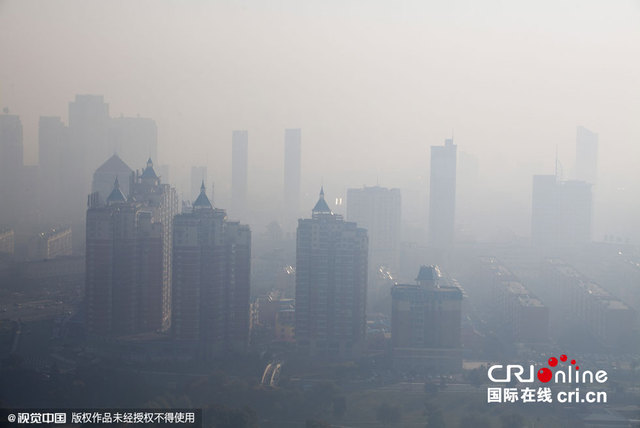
[149, 171]
[321, 206]
[202, 201]
[116, 195]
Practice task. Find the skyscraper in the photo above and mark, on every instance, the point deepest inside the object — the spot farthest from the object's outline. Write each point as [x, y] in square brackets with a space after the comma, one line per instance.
[292, 160]
[11, 167]
[442, 195]
[378, 210]
[88, 122]
[123, 265]
[331, 285]
[239, 172]
[211, 279]
[161, 201]
[560, 211]
[586, 155]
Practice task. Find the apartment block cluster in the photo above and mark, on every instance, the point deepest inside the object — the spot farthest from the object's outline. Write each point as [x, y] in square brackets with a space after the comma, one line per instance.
[515, 310]
[586, 304]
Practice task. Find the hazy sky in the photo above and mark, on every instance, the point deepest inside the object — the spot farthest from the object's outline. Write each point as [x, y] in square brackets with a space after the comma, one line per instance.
[372, 83]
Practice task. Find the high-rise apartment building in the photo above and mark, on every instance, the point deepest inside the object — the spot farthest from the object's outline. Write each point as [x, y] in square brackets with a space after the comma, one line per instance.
[331, 285]
[211, 279]
[426, 324]
[161, 200]
[586, 155]
[378, 210]
[123, 265]
[292, 161]
[442, 195]
[239, 172]
[11, 168]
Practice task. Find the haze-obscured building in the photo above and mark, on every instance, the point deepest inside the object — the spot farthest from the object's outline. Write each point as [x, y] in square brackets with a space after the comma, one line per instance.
[586, 155]
[292, 174]
[55, 242]
[239, 172]
[378, 210]
[11, 168]
[442, 195]
[560, 211]
[7, 240]
[331, 285]
[426, 324]
[585, 305]
[211, 280]
[514, 311]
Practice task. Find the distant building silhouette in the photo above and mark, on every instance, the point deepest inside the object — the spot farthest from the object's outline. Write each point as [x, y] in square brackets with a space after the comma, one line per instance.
[292, 174]
[11, 168]
[7, 240]
[586, 155]
[53, 146]
[426, 324]
[104, 176]
[442, 195]
[52, 243]
[331, 285]
[211, 279]
[560, 211]
[239, 172]
[513, 311]
[378, 210]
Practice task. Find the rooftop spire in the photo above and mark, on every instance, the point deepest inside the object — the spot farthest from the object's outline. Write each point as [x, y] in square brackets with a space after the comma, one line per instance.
[321, 206]
[116, 195]
[149, 171]
[202, 201]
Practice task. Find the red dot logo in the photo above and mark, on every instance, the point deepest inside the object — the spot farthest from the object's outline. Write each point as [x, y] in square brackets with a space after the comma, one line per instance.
[544, 375]
[563, 358]
[553, 361]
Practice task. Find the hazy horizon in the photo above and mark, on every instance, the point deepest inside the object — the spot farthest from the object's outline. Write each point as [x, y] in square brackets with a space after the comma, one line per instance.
[372, 86]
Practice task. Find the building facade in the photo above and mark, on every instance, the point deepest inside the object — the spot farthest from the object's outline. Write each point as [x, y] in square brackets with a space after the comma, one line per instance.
[378, 210]
[442, 195]
[331, 285]
[292, 174]
[426, 324]
[239, 172]
[211, 280]
[123, 266]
